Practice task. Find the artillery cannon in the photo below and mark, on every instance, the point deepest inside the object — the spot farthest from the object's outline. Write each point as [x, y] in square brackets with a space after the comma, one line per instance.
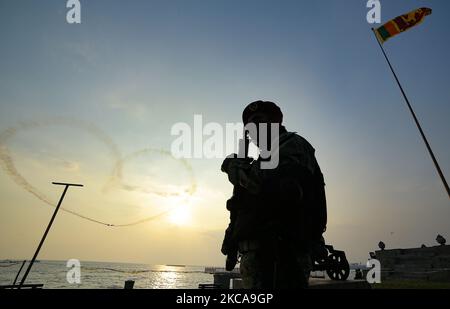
[333, 262]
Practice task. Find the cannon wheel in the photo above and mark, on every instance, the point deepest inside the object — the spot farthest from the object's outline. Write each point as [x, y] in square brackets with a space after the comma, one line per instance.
[338, 267]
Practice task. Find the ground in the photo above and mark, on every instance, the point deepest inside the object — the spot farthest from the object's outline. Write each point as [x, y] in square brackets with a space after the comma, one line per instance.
[411, 284]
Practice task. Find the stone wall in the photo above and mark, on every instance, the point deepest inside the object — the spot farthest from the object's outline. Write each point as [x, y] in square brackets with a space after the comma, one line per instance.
[429, 263]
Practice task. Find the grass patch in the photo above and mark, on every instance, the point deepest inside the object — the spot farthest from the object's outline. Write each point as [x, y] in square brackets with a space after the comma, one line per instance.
[410, 284]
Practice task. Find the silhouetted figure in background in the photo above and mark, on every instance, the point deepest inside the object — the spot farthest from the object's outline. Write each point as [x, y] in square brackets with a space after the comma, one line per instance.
[381, 245]
[441, 240]
[277, 214]
[358, 274]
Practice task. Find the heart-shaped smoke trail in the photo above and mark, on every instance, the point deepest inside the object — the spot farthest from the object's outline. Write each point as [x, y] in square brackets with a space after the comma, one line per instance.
[8, 165]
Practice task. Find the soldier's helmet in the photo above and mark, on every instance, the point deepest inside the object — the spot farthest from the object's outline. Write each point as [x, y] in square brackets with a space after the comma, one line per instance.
[267, 108]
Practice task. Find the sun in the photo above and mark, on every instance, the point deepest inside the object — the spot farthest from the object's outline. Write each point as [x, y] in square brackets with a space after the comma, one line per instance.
[180, 215]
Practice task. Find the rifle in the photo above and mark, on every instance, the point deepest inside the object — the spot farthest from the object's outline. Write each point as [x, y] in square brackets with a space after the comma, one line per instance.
[230, 245]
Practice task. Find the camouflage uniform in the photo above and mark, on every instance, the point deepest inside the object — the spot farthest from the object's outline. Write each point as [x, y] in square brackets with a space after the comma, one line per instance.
[272, 225]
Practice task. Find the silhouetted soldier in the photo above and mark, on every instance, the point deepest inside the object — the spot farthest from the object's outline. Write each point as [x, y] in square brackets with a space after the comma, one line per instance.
[276, 214]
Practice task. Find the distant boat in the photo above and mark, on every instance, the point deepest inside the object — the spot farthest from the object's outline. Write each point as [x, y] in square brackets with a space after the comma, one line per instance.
[175, 265]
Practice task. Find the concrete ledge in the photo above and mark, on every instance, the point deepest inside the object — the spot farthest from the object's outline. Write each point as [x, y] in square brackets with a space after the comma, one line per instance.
[315, 283]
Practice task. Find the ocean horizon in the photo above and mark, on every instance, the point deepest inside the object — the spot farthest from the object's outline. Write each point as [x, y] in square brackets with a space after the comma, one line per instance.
[112, 275]
[106, 275]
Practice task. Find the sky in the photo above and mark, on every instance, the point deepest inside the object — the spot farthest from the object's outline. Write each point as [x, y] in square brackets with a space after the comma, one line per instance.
[94, 103]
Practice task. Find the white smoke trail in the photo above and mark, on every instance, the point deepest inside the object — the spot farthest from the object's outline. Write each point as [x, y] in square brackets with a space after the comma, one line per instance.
[8, 165]
[116, 178]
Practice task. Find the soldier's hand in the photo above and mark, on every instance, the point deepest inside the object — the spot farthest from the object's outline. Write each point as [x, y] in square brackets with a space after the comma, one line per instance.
[226, 162]
[233, 161]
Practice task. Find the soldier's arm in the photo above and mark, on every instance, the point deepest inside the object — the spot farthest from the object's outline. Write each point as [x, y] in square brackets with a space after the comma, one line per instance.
[293, 156]
[252, 177]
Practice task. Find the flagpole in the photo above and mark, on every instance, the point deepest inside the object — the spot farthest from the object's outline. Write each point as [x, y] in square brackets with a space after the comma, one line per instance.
[436, 164]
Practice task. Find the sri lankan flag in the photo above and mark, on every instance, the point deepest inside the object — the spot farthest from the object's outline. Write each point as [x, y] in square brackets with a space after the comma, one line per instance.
[401, 23]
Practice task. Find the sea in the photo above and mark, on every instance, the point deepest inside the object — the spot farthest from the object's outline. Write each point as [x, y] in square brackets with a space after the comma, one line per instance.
[104, 275]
